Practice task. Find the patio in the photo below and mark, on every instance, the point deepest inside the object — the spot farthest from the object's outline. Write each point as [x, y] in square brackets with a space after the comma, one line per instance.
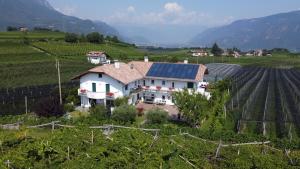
[172, 110]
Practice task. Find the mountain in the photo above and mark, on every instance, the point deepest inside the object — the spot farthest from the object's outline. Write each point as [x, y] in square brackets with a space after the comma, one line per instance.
[280, 30]
[159, 35]
[39, 13]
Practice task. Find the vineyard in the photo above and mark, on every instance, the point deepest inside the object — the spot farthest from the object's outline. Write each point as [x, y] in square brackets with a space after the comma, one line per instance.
[219, 71]
[66, 146]
[80, 49]
[267, 101]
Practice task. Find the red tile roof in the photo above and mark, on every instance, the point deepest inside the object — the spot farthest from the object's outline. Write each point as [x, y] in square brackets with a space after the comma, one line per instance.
[133, 71]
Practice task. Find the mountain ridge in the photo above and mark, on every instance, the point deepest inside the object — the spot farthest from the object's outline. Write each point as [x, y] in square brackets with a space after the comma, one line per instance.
[39, 13]
[275, 31]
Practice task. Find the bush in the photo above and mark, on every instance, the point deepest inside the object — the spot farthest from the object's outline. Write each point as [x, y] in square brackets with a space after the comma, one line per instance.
[121, 101]
[95, 37]
[99, 112]
[69, 107]
[49, 107]
[157, 116]
[124, 113]
[71, 38]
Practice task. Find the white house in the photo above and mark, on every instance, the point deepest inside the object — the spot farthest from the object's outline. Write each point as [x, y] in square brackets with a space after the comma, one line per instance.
[141, 81]
[97, 57]
[201, 53]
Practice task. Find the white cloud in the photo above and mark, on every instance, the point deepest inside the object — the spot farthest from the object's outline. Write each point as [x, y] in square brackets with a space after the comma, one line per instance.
[172, 14]
[173, 7]
[131, 9]
[67, 10]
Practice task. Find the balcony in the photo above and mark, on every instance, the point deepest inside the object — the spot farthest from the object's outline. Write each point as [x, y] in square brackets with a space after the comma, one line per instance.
[97, 95]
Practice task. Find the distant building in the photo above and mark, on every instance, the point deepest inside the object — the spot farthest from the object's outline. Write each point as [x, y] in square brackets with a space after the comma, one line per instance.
[236, 54]
[258, 52]
[97, 57]
[200, 52]
[149, 82]
[23, 29]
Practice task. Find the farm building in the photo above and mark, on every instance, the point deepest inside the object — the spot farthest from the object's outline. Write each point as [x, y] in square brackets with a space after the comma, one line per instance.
[200, 52]
[97, 57]
[145, 81]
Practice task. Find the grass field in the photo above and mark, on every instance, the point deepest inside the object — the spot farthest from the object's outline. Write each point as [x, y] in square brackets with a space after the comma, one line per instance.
[34, 64]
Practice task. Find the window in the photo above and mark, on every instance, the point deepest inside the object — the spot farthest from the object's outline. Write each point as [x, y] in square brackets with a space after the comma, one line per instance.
[94, 87]
[152, 82]
[163, 82]
[164, 97]
[173, 84]
[107, 86]
[190, 85]
[126, 87]
[144, 82]
[100, 75]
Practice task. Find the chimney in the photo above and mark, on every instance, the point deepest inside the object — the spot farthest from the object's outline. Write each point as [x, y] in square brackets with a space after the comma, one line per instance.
[185, 61]
[146, 59]
[117, 64]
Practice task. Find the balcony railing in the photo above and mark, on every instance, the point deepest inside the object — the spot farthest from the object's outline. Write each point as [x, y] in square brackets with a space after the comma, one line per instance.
[97, 95]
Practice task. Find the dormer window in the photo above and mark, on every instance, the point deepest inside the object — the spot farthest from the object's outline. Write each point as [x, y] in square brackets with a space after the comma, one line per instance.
[126, 87]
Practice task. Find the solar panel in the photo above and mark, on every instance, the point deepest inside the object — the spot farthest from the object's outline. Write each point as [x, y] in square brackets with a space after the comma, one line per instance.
[177, 71]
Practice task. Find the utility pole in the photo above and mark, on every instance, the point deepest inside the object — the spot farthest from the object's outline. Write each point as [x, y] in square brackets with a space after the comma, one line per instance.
[59, 81]
[26, 109]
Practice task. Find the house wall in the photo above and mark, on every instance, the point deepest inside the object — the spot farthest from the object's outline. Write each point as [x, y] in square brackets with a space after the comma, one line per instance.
[116, 87]
[119, 90]
[97, 60]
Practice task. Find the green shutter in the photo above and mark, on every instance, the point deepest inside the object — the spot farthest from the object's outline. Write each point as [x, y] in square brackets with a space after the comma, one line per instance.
[94, 87]
[107, 88]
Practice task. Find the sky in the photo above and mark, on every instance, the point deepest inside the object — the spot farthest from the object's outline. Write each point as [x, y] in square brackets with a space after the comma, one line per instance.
[171, 16]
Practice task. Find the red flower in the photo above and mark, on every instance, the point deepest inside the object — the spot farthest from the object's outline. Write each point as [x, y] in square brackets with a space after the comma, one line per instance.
[110, 94]
[158, 87]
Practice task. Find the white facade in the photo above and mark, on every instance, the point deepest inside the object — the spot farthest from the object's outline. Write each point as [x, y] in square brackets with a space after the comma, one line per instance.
[97, 59]
[93, 89]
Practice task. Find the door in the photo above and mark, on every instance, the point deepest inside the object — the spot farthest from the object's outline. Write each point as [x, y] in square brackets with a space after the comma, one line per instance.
[94, 87]
[107, 88]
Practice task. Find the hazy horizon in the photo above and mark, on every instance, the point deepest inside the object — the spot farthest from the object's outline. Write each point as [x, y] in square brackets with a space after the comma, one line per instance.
[170, 22]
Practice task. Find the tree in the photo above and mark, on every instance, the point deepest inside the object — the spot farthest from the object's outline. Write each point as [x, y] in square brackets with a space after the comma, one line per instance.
[192, 105]
[82, 38]
[124, 113]
[71, 38]
[11, 28]
[49, 107]
[115, 39]
[95, 37]
[157, 116]
[216, 50]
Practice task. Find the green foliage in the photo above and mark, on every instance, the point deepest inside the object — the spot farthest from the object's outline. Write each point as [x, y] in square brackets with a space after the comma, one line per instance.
[121, 101]
[99, 112]
[71, 38]
[69, 107]
[11, 28]
[157, 116]
[124, 113]
[49, 107]
[194, 106]
[95, 37]
[216, 50]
